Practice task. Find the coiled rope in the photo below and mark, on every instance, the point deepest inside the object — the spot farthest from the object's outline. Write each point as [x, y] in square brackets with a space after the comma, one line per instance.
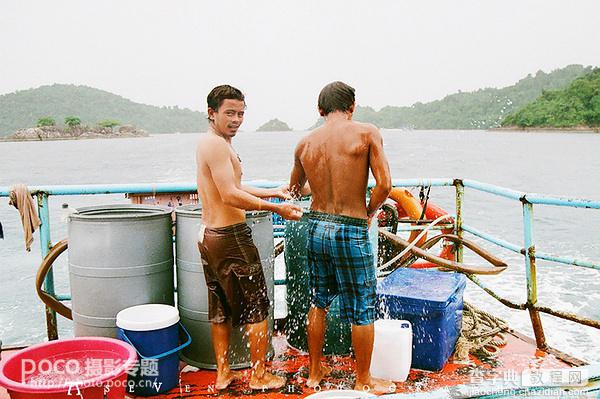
[481, 334]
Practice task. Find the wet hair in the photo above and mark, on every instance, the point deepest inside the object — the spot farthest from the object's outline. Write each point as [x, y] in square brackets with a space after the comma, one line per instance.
[221, 93]
[336, 96]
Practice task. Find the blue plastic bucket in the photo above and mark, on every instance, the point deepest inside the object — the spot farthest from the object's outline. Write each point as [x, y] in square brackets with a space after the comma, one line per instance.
[153, 330]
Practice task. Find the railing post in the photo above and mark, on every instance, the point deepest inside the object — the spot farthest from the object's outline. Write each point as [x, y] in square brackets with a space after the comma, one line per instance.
[460, 191]
[46, 244]
[530, 269]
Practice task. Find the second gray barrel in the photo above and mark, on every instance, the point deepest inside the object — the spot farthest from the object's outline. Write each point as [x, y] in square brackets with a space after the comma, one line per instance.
[192, 293]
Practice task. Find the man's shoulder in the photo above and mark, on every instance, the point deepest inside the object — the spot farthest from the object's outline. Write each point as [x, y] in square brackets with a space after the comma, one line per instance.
[351, 125]
[211, 149]
[211, 141]
[367, 130]
[307, 138]
[366, 127]
[209, 137]
[314, 132]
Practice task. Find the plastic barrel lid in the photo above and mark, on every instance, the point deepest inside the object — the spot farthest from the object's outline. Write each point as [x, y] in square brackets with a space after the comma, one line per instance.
[147, 317]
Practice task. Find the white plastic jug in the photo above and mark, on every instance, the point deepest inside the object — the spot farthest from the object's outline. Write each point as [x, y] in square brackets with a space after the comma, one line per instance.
[392, 350]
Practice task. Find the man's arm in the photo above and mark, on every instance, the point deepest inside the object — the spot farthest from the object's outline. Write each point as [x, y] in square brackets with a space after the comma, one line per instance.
[223, 176]
[276, 192]
[381, 171]
[298, 184]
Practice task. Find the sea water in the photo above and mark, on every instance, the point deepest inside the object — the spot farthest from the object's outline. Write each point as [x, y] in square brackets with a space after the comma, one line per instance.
[564, 164]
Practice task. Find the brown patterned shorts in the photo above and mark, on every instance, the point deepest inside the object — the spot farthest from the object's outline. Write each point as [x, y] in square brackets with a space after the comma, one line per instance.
[234, 276]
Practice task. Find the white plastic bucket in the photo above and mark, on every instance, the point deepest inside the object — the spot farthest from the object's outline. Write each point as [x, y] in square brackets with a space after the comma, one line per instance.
[392, 350]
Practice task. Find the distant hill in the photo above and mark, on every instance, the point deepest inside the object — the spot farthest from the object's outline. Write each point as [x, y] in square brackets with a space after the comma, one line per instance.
[23, 108]
[481, 109]
[578, 105]
[274, 125]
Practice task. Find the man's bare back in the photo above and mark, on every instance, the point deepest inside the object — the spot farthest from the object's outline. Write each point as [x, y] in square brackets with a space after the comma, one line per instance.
[335, 159]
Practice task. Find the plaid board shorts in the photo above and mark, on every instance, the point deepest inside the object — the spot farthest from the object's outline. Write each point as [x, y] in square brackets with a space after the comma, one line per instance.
[341, 262]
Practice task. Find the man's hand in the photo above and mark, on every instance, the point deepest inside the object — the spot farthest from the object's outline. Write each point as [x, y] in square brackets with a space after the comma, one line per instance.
[282, 192]
[289, 211]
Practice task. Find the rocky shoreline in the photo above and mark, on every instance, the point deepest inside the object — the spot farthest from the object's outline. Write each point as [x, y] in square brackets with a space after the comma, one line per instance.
[51, 133]
[578, 129]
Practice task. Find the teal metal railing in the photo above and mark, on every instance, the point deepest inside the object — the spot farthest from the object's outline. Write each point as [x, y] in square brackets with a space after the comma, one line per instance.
[527, 201]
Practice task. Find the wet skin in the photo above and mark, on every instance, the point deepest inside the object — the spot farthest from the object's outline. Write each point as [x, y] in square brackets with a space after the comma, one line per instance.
[224, 202]
[336, 159]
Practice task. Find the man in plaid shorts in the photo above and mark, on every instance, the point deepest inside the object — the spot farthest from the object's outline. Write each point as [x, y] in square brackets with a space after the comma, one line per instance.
[336, 159]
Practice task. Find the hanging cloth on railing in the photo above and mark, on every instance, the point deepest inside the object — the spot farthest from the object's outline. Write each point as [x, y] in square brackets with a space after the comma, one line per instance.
[22, 200]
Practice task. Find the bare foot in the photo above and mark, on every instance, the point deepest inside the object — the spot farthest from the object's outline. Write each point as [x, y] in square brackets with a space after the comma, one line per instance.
[268, 381]
[314, 380]
[376, 386]
[223, 381]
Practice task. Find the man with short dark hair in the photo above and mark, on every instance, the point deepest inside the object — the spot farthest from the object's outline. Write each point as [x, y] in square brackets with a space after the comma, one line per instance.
[335, 159]
[237, 293]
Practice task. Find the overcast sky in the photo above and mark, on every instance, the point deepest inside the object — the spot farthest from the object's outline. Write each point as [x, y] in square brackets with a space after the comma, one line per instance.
[281, 53]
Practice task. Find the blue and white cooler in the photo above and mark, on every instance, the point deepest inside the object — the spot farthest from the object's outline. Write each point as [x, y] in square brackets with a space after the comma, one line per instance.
[153, 330]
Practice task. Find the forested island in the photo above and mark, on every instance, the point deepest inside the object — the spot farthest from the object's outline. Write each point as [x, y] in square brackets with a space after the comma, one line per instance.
[576, 107]
[566, 98]
[274, 125]
[481, 109]
[47, 130]
[23, 109]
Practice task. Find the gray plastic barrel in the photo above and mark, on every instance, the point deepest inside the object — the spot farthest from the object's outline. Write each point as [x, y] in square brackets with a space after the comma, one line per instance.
[119, 256]
[192, 293]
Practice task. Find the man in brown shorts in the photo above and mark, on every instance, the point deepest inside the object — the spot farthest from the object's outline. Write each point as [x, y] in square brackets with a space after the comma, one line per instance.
[336, 159]
[237, 294]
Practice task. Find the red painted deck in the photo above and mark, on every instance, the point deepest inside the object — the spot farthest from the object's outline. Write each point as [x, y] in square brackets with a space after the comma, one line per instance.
[519, 354]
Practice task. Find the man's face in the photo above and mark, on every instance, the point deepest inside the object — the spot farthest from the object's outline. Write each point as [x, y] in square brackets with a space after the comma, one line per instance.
[229, 117]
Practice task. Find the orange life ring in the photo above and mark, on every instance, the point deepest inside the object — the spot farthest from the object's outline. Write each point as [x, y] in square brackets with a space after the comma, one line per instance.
[408, 206]
[433, 212]
[447, 252]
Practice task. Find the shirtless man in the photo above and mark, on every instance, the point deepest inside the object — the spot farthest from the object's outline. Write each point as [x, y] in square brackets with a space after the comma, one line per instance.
[237, 294]
[335, 160]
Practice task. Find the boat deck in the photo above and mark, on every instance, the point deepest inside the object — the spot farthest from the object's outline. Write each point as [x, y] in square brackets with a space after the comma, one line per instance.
[519, 354]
